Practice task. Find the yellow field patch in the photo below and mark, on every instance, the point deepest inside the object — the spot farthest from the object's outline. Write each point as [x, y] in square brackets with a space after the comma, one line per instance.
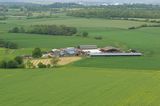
[63, 60]
[67, 60]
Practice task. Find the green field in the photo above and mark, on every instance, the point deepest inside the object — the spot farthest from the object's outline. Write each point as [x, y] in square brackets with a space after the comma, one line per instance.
[71, 86]
[107, 81]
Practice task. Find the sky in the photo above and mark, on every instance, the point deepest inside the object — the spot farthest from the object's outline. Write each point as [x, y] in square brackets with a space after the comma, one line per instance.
[107, 1]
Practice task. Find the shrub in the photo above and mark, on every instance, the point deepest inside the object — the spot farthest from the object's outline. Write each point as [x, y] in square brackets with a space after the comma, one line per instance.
[98, 38]
[85, 34]
[48, 66]
[41, 65]
[10, 45]
[54, 61]
[19, 59]
[37, 53]
[29, 64]
[14, 30]
[12, 64]
[132, 27]
[3, 64]
[16, 63]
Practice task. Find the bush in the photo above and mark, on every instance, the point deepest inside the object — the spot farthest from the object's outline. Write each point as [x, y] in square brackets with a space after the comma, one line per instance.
[8, 44]
[55, 61]
[19, 59]
[48, 66]
[12, 64]
[85, 34]
[14, 30]
[3, 64]
[37, 53]
[41, 65]
[17, 30]
[16, 63]
[98, 38]
[29, 64]
[132, 27]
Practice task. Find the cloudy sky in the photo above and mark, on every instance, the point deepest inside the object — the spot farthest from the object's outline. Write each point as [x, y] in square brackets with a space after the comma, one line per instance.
[107, 1]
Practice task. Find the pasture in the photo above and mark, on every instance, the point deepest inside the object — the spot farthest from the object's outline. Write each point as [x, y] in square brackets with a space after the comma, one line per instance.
[71, 86]
[109, 81]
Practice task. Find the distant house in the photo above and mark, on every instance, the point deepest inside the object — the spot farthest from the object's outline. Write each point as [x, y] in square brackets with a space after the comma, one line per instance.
[84, 47]
[110, 49]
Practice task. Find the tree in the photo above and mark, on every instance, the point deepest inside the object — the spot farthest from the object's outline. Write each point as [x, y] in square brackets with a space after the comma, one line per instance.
[10, 45]
[54, 61]
[85, 34]
[19, 59]
[3, 64]
[14, 30]
[37, 53]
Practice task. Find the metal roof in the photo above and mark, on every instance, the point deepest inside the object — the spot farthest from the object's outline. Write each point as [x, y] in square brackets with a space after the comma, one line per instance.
[87, 46]
[116, 54]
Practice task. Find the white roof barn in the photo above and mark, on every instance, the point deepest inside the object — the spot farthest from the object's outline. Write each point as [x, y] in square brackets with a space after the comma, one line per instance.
[83, 47]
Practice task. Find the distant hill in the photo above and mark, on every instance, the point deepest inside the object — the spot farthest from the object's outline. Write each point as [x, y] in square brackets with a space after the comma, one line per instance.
[87, 1]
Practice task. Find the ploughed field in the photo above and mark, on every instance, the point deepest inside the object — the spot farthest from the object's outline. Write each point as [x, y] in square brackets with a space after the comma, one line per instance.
[107, 81]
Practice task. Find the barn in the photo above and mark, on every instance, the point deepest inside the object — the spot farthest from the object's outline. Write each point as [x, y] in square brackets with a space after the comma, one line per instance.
[110, 49]
[86, 47]
[114, 54]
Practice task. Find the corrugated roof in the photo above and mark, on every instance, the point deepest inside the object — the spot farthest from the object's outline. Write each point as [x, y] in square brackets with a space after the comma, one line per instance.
[116, 54]
[87, 46]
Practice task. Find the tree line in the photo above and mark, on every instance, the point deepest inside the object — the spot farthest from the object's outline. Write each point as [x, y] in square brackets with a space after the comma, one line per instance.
[116, 12]
[46, 29]
[8, 44]
[143, 26]
[17, 62]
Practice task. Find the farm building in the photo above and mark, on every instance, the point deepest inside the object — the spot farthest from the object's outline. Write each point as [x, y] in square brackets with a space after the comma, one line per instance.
[84, 47]
[56, 52]
[114, 54]
[110, 49]
[89, 51]
[70, 51]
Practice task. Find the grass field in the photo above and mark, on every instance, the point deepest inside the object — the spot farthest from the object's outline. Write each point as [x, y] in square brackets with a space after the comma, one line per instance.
[108, 81]
[70, 86]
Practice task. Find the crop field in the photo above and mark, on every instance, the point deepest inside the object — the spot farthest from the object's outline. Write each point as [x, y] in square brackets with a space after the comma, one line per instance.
[107, 81]
[62, 60]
